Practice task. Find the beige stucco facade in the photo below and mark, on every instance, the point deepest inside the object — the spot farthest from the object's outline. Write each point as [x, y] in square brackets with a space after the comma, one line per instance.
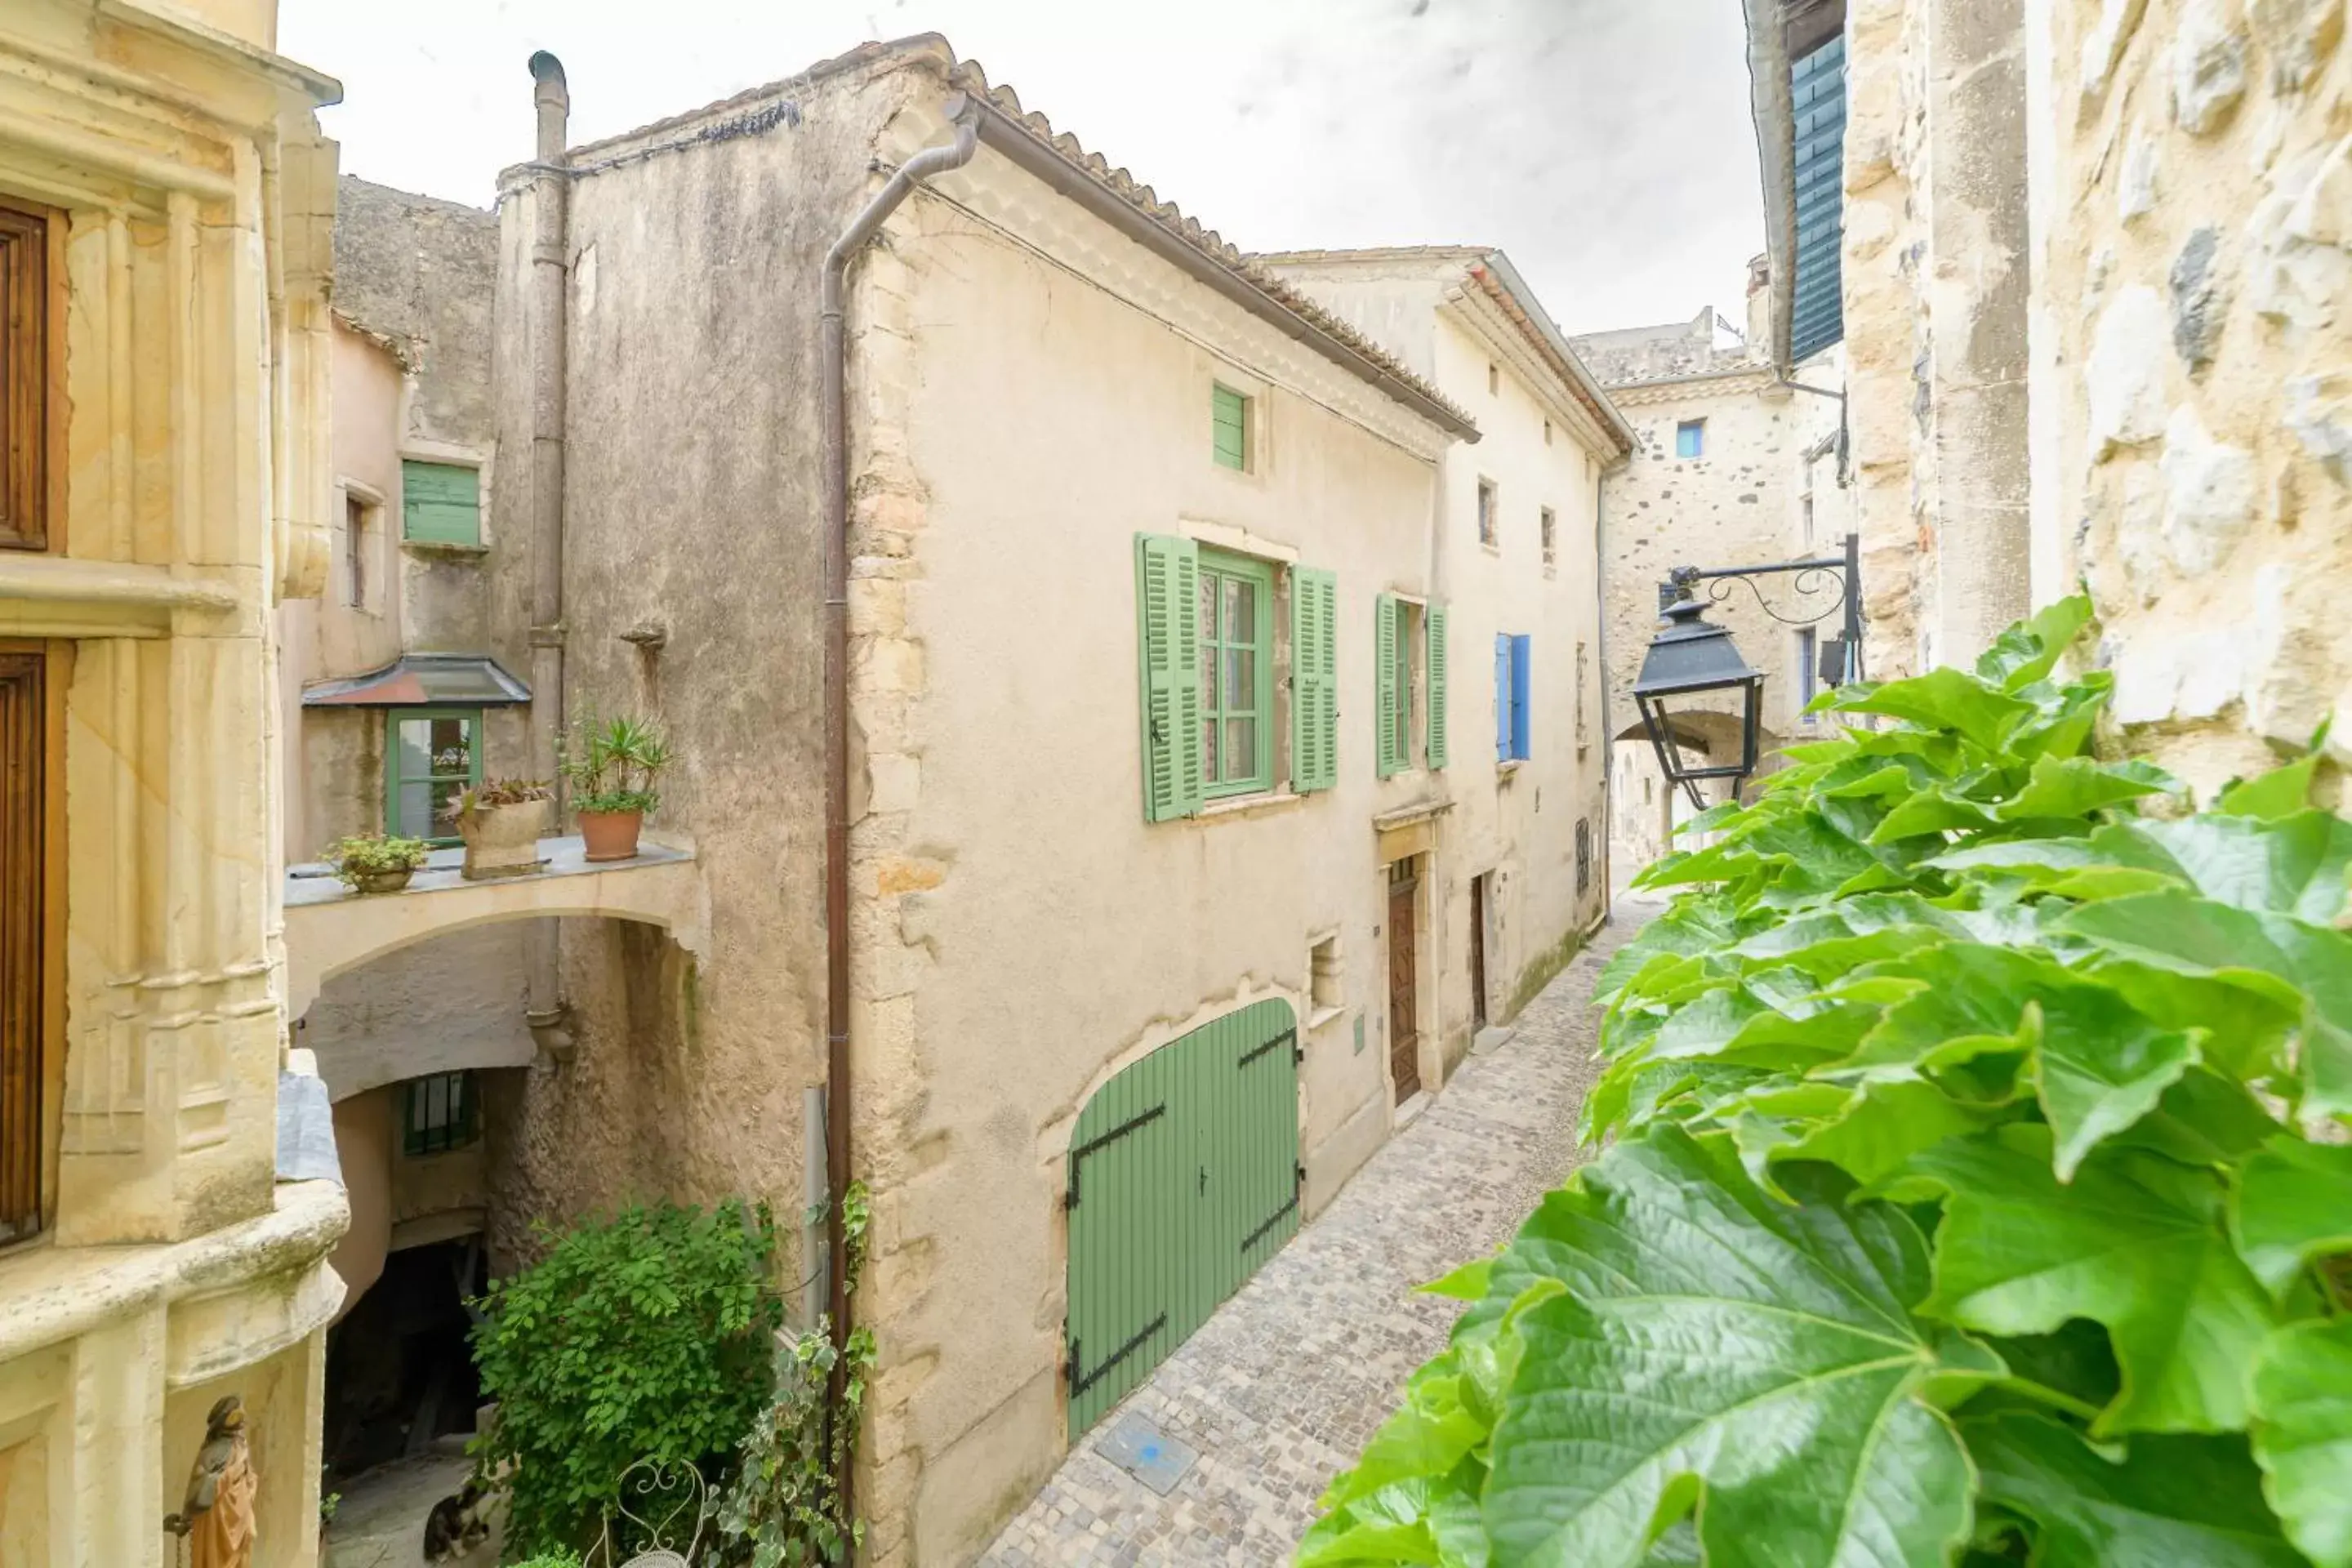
[188, 198]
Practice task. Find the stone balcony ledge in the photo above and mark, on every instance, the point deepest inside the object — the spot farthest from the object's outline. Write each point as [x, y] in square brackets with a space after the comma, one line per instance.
[330, 929]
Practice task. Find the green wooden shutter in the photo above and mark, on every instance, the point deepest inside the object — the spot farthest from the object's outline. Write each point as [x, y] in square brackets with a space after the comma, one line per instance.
[1389, 747]
[441, 503]
[1436, 686]
[1229, 427]
[1314, 697]
[1167, 632]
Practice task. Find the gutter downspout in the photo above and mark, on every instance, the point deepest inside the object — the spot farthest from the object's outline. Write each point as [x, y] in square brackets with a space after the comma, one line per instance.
[834, 355]
[548, 1014]
[1607, 673]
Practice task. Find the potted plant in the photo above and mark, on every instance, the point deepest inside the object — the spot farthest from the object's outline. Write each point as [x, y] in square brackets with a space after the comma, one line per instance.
[501, 821]
[376, 862]
[612, 766]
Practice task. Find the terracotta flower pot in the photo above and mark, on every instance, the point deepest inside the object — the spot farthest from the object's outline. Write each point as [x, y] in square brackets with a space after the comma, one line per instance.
[610, 835]
[502, 840]
[390, 881]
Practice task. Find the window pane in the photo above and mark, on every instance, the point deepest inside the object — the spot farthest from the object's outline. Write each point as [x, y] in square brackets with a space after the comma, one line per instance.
[415, 812]
[1241, 748]
[445, 799]
[453, 746]
[1209, 769]
[1241, 680]
[1208, 607]
[412, 753]
[1210, 699]
[1241, 613]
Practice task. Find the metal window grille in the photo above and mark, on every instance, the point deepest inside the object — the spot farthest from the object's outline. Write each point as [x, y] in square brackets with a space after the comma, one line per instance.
[443, 1114]
[1583, 855]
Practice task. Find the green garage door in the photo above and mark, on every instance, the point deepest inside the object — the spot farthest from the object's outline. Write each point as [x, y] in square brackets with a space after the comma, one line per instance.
[1184, 1177]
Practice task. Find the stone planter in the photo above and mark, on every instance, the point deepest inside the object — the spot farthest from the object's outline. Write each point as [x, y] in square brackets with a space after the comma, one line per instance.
[610, 835]
[502, 840]
[390, 881]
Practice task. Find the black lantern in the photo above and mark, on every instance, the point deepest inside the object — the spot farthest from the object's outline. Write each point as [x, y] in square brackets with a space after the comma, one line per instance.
[1690, 660]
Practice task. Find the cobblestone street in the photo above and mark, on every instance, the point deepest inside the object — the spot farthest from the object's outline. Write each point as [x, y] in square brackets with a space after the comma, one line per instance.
[1287, 1380]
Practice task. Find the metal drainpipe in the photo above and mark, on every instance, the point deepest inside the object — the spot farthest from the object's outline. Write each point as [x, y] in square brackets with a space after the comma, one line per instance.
[834, 352]
[548, 1015]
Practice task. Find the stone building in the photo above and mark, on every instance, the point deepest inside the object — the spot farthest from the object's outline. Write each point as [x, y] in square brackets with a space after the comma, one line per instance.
[1180, 872]
[165, 201]
[1528, 495]
[2126, 217]
[1732, 466]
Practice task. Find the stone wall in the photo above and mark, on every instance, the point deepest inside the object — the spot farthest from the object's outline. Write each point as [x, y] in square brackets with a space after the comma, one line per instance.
[2192, 206]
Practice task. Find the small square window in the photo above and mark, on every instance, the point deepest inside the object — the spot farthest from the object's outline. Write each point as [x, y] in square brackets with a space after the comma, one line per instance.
[1690, 438]
[442, 1114]
[1489, 522]
[1547, 432]
[1550, 541]
[1808, 511]
[1324, 991]
[1494, 379]
[1229, 428]
[441, 503]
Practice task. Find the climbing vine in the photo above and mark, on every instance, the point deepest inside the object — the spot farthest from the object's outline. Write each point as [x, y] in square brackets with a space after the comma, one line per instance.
[1977, 1188]
[784, 1508]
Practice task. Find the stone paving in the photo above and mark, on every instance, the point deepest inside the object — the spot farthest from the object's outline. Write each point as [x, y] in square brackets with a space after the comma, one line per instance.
[1283, 1386]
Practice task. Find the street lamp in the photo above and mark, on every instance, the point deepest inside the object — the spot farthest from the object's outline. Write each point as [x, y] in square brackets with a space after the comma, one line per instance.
[1692, 660]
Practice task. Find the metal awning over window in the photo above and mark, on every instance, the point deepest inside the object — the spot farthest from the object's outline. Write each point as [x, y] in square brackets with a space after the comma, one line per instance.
[422, 681]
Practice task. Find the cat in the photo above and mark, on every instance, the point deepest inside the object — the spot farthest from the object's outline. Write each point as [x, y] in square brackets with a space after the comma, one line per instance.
[458, 1524]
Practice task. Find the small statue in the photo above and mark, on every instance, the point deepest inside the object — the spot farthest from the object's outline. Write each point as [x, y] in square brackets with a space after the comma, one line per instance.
[218, 1512]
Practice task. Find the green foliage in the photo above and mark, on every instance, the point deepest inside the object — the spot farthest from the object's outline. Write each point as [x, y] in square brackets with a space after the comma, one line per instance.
[551, 1559]
[1974, 1190]
[783, 1509]
[367, 853]
[641, 1337]
[611, 765]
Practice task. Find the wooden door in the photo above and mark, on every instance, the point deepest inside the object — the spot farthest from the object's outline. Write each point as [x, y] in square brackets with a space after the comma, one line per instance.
[1404, 995]
[1183, 1179]
[1478, 951]
[24, 790]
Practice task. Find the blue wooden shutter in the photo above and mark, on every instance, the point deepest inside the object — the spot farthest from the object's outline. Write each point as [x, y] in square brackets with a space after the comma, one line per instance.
[1168, 633]
[1501, 697]
[1313, 700]
[1435, 625]
[1390, 744]
[1817, 98]
[1521, 665]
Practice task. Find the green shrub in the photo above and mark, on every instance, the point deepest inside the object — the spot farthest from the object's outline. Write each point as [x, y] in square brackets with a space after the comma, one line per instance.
[551, 1559]
[642, 1337]
[1976, 1194]
[365, 853]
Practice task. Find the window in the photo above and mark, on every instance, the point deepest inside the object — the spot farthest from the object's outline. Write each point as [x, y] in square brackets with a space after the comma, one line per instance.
[1817, 177]
[1494, 379]
[1547, 432]
[443, 1114]
[27, 1009]
[1211, 697]
[25, 328]
[1807, 499]
[1229, 428]
[1235, 605]
[1408, 673]
[430, 755]
[1550, 541]
[1323, 993]
[1809, 675]
[1690, 438]
[441, 503]
[358, 537]
[1513, 678]
[1489, 519]
[1583, 855]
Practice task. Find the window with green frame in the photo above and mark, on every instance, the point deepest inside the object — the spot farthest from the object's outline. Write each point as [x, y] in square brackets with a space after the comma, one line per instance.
[430, 755]
[1229, 427]
[442, 1114]
[1236, 639]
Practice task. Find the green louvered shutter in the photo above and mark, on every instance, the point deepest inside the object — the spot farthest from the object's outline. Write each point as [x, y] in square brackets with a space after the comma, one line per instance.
[1437, 687]
[1229, 427]
[1314, 697]
[1167, 616]
[1390, 748]
[441, 503]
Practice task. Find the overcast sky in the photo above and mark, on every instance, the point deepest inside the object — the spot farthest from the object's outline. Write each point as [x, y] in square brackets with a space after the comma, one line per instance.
[1606, 144]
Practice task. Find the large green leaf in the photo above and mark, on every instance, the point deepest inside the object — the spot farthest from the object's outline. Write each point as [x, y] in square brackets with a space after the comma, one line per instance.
[1945, 698]
[2275, 955]
[2136, 1244]
[2279, 793]
[2170, 1503]
[2100, 1066]
[1710, 1333]
[2293, 1204]
[2302, 1436]
[2031, 650]
[2077, 786]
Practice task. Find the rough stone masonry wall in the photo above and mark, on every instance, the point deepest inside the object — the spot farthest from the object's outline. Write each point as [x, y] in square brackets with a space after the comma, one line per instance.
[2193, 210]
